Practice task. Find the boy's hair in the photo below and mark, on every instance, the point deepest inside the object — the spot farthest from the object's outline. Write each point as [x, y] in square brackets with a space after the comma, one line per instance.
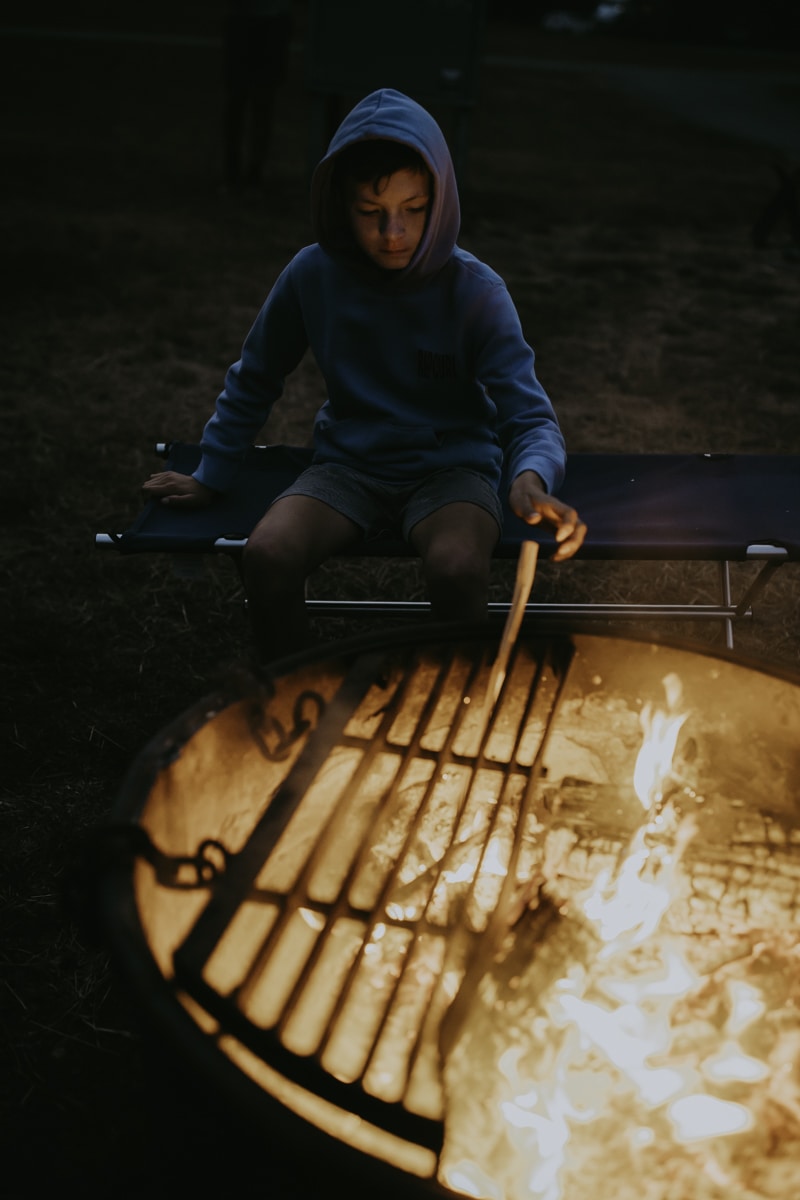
[374, 160]
[370, 161]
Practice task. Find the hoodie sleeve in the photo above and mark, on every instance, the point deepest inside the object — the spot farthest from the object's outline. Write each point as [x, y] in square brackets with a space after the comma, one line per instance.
[271, 351]
[526, 422]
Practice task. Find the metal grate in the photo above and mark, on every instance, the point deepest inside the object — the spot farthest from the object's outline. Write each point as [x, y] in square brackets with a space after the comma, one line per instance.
[347, 886]
[350, 916]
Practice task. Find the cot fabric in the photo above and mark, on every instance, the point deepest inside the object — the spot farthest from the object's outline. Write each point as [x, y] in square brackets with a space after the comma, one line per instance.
[648, 506]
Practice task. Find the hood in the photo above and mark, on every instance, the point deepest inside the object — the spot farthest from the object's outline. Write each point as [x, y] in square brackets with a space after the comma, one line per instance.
[391, 115]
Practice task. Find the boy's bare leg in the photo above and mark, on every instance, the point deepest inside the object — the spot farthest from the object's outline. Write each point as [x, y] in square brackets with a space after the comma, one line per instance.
[296, 535]
[455, 544]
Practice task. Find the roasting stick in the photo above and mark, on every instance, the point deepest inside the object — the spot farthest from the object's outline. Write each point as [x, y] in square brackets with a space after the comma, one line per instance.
[482, 951]
[526, 569]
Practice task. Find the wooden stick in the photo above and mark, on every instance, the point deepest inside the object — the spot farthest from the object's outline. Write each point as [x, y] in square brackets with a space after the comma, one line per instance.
[526, 569]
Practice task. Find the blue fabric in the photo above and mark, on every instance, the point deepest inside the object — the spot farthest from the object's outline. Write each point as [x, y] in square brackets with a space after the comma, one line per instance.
[426, 368]
[637, 506]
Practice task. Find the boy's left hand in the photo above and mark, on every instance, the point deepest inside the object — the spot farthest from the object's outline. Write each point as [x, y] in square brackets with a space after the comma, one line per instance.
[532, 504]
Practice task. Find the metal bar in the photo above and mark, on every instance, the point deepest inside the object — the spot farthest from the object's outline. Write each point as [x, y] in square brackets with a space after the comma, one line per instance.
[500, 917]
[409, 753]
[725, 592]
[500, 608]
[727, 611]
[235, 545]
[757, 586]
[212, 923]
[462, 940]
[376, 745]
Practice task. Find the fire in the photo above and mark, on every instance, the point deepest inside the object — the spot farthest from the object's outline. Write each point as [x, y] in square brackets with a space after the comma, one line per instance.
[661, 729]
[598, 1063]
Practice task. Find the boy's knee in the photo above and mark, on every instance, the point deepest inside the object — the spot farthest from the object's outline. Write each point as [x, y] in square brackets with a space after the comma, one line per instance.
[457, 563]
[270, 561]
[457, 583]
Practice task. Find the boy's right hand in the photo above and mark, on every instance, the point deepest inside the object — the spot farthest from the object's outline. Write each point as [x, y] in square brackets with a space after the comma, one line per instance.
[178, 491]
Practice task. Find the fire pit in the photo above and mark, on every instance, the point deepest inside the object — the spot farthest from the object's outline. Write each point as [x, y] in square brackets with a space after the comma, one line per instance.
[506, 955]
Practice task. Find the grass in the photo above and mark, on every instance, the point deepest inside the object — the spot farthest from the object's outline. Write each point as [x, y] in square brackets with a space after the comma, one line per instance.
[625, 237]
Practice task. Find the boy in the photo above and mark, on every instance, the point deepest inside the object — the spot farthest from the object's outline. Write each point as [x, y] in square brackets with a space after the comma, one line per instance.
[431, 386]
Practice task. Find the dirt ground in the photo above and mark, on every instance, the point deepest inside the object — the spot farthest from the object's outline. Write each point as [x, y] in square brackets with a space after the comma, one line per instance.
[130, 278]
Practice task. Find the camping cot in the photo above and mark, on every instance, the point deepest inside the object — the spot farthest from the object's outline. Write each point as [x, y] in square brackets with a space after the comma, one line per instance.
[719, 508]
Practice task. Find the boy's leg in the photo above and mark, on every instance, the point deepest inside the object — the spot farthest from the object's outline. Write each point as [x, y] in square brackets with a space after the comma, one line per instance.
[455, 544]
[296, 535]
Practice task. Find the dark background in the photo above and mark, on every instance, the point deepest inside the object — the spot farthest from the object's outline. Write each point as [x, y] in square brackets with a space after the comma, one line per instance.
[615, 178]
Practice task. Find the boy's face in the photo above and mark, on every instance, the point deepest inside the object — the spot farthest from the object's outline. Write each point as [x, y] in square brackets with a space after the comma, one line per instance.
[388, 224]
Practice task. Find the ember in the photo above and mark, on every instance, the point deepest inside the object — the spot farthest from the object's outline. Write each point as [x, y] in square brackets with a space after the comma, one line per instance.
[507, 957]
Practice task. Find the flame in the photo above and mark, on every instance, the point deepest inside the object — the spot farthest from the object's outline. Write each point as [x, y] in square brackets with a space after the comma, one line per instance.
[729, 1064]
[661, 728]
[696, 1118]
[604, 1035]
[747, 1005]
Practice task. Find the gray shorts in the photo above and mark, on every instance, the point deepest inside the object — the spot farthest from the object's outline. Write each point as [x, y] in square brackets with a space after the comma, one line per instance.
[391, 509]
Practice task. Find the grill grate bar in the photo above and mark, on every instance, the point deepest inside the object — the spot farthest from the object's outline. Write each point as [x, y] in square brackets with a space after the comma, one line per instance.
[244, 869]
[466, 948]
[360, 946]
[458, 947]
[375, 914]
[301, 893]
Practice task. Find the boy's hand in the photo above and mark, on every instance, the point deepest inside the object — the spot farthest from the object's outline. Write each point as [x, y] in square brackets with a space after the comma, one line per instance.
[178, 491]
[533, 504]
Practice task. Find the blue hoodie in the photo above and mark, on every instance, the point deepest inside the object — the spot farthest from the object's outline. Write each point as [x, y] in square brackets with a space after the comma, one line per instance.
[425, 367]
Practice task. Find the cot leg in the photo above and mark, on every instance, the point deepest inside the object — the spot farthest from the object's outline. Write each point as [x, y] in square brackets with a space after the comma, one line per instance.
[725, 587]
[757, 586]
[744, 605]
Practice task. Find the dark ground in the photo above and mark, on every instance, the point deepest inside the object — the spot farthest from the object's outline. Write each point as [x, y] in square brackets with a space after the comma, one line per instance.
[130, 278]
